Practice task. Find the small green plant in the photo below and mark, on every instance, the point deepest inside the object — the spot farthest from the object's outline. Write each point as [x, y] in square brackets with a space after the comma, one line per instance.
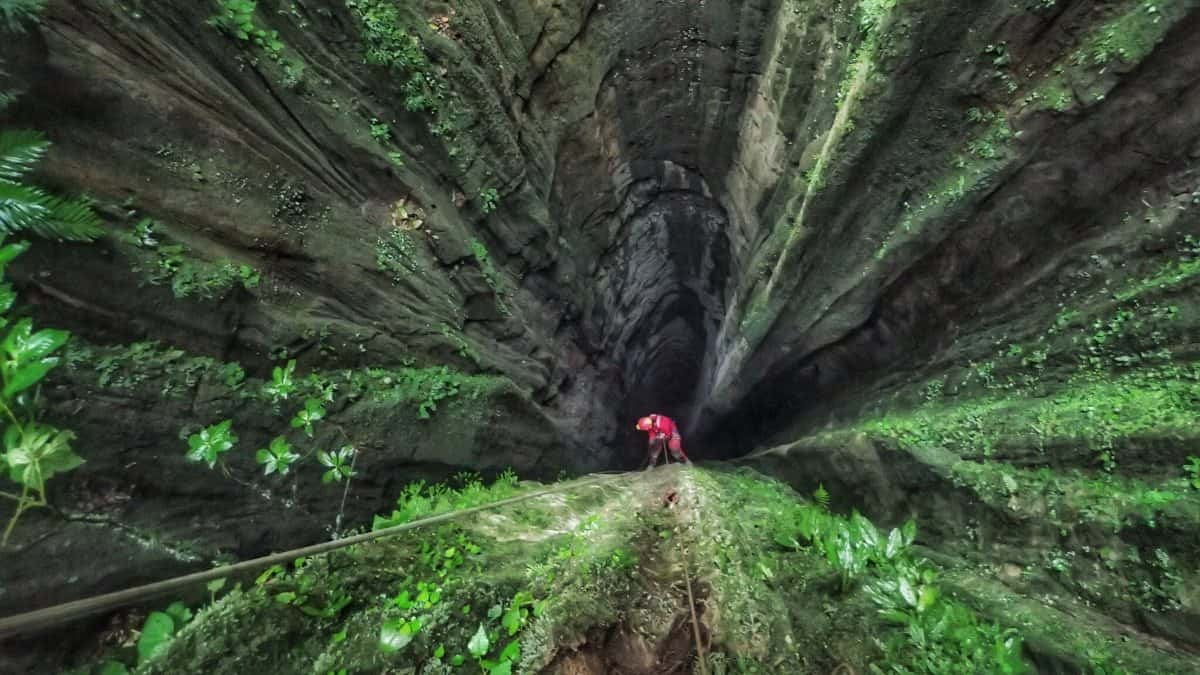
[489, 199]
[211, 442]
[311, 414]
[248, 276]
[33, 452]
[282, 383]
[397, 159]
[418, 499]
[380, 131]
[1193, 470]
[339, 464]
[159, 630]
[236, 18]
[821, 496]
[277, 458]
[143, 233]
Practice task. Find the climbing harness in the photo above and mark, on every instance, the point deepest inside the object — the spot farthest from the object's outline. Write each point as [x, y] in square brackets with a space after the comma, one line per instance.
[18, 624]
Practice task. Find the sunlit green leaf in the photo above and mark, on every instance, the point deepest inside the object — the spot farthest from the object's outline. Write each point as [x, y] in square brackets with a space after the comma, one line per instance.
[479, 644]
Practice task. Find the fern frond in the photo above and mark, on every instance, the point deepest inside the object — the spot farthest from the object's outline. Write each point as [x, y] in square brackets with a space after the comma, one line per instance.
[19, 151]
[821, 496]
[69, 219]
[16, 14]
[21, 207]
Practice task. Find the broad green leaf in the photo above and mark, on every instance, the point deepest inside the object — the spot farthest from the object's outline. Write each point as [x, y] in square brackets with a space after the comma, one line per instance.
[895, 542]
[156, 635]
[512, 651]
[927, 597]
[512, 621]
[479, 644]
[909, 530]
[36, 453]
[907, 592]
[396, 634]
[502, 668]
[180, 613]
[7, 297]
[866, 530]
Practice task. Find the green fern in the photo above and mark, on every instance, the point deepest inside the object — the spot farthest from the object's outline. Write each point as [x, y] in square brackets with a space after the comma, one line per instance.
[25, 207]
[821, 496]
[16, 14]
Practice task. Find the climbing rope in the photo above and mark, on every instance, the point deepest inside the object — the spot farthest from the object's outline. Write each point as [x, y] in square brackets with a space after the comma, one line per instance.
[687, 579]
[32, 621]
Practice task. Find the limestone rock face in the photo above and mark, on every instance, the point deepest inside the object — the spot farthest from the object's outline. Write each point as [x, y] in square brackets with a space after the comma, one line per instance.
[920, 251]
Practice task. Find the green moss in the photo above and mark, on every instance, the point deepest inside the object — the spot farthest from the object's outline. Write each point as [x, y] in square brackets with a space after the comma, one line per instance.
[177, 373]
[530, 582]
[1100, 413]
[396, 255]
[490, 274]
[1131, 36]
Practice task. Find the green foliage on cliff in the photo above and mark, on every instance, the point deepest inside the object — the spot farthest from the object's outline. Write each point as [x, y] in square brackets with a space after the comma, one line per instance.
[33, 452]
[177, 266]
[390, 43]
[935, 634]
[236, 17]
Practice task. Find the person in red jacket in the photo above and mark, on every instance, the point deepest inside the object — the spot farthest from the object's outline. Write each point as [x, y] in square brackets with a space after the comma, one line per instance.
[663, 432]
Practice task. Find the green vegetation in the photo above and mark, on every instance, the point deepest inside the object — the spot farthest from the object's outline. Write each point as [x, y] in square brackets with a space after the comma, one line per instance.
[211, 442]
[174, 265]
[420, 500]
[339, 465]
[276, 458]
[159, 629]
[236, 18]
[508, 591]
[33, 452]
[396, 255]
[490, 274]
[392, 41]
[380, 131]
[1129, 38]
[934, 634]
[17, 15]
[1193, 471]
[312, 413]
[27, 208]
[489, 199]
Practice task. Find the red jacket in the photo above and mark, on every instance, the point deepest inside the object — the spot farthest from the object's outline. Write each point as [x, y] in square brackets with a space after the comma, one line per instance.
[662, 425]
